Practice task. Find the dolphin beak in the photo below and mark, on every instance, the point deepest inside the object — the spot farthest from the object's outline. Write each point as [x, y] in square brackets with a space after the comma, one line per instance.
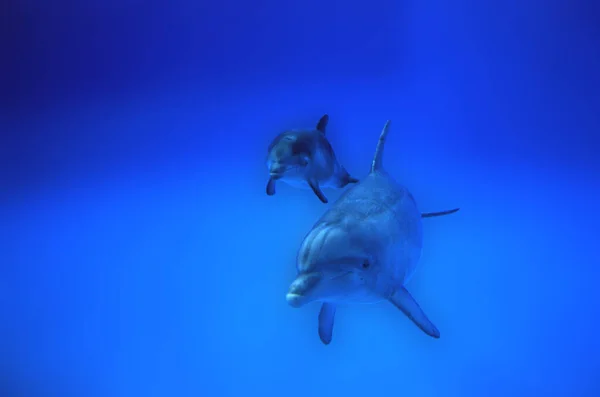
[275, 168]
[294, 300]
[299, 292]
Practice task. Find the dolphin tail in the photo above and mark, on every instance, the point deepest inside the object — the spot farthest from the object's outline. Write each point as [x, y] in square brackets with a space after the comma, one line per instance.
[378, 158]
[326, 317]
[409, 306]
[432, 214]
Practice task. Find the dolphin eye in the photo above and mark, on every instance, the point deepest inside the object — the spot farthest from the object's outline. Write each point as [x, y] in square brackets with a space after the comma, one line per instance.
[366, 264]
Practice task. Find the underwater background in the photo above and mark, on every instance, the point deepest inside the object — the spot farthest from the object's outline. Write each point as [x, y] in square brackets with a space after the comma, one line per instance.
[140, 255]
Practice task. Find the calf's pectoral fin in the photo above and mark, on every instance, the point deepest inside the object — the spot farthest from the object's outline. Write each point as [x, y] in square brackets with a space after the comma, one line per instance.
[271, 187]
[346, 179]
[314, 185]
[407, 304]
[326, 317]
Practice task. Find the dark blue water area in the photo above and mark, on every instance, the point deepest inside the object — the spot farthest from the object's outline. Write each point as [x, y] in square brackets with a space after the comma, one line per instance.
[141, 255]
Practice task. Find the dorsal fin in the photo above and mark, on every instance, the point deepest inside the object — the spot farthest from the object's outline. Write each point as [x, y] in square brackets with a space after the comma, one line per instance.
[322, 124]
[378, 158]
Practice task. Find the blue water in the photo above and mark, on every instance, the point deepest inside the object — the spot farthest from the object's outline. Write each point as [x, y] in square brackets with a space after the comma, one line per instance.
[142, 257]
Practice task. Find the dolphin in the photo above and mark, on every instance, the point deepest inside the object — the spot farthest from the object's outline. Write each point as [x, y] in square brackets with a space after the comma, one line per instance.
[305, 158]
[363, 249]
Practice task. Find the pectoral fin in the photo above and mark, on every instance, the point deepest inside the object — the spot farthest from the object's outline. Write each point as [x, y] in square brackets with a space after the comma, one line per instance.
[406, 303]
[345, 179]
[326, 317]
[271, 187]
[440, 213]
[314, 185]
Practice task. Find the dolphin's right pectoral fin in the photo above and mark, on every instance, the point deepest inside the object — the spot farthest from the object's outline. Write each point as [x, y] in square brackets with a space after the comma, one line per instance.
[271, 187]
[314, 185]
[407, 304]
[326, 317]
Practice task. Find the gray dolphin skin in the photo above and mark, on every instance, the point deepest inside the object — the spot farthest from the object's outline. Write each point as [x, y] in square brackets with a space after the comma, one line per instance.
[364, 249]
[305, 158]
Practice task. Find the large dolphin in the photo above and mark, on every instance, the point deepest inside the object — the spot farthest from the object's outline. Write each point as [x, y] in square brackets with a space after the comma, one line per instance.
[364, 249]
[305, 158]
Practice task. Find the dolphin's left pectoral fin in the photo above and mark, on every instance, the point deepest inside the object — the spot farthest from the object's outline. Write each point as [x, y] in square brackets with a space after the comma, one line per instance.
[314, 185]
[345, 179]
[326, 317]
[407, 304]
[271, 187]
[439, 213]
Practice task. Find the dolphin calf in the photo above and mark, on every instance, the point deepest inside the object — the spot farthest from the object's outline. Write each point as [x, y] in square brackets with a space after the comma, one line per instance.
[364, 249]
[305, 158]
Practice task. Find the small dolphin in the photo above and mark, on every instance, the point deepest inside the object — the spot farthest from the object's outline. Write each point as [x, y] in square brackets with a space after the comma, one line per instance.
[364, 249]
[305, 158]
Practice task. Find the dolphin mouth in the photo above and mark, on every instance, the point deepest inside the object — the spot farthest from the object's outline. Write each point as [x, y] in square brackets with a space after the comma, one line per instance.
[294, 300]
[301, 289]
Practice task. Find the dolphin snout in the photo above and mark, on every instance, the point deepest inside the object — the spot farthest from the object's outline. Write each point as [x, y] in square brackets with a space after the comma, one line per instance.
[294, 300]
[299, 291]
[277, 170]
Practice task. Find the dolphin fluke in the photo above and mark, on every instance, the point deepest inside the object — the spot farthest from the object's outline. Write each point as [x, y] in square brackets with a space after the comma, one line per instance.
[409, 306]
[440, 213]
[326, 317]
